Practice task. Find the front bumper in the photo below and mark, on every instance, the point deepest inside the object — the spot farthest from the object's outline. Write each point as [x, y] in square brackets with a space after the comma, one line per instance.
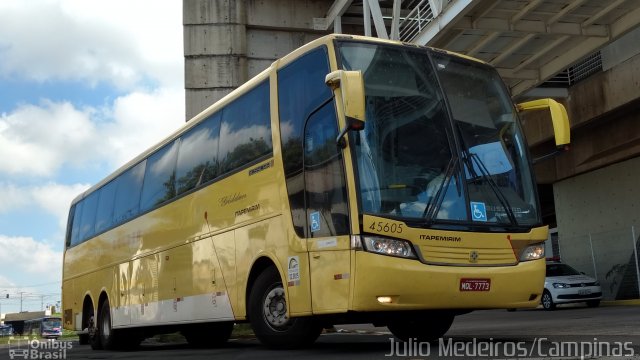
[413, 285]
[572, 295]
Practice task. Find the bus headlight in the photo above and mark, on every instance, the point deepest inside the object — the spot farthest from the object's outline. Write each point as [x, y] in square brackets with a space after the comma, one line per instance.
[386, 246]
[532, 252]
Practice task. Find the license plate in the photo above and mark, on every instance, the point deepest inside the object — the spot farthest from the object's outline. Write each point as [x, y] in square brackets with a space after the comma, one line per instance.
[584, 292]
[475, 284]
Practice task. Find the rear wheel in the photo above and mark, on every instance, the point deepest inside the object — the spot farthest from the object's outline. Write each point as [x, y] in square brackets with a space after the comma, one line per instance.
[208, 335]
[114, 339]
[422, 328]
[92, 334]
[547, 301]
[269, 318]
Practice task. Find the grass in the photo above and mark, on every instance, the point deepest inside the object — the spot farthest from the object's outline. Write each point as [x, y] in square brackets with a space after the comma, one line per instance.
[242, 331]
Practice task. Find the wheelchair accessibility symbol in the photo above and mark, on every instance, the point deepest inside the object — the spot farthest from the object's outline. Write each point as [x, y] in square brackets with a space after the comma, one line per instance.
[314, 220]
[478, 211]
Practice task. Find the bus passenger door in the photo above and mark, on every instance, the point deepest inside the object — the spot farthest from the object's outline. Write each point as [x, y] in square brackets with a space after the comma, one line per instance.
[327, 228]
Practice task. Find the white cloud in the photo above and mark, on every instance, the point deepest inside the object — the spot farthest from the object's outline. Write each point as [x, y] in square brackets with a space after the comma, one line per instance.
[56, 199]
[39, 140]
[11, 198]
[53, 198]
[36, 140]
[141, 120]
[122, 42]
[25, 255]
[4, 282]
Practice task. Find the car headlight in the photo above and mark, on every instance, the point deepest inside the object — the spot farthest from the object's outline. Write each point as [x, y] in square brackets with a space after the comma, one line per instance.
[561, 285]
[597, 283]
[386, 246]
[532, 252]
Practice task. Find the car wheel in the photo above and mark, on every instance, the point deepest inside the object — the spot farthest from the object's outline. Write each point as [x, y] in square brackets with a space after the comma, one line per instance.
[547, 301]
[269, 317]
[593, 303]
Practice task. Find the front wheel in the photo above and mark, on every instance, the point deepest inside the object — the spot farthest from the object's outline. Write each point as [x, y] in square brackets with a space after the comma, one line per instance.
[269, 317]
[547, 301]
[422, 328]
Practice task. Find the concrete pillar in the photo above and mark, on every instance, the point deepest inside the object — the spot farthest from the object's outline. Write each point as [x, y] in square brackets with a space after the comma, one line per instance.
[226, 42]
[215, 50]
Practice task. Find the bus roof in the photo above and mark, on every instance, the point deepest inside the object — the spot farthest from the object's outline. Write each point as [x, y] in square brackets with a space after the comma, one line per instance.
[277, 64]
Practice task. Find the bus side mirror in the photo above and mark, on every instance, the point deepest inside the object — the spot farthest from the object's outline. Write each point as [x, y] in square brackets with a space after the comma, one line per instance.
[559, 118]
[349, 87]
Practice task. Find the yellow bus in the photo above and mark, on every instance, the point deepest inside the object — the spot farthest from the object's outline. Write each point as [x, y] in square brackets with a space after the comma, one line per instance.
[356, 180]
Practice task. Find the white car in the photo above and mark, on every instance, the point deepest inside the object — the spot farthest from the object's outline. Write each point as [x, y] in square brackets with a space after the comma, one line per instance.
[564, 284]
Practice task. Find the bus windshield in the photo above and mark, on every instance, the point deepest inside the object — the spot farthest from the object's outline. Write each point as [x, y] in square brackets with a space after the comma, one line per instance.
[51, 324]
[442, 143]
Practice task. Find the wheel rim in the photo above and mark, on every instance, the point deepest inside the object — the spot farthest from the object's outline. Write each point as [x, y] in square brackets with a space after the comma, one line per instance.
[106, 325]
[274, 309]
[546, 301]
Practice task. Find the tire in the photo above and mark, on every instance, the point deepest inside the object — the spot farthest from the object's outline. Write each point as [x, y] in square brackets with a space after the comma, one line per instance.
[593, 303]
[113, 339]
[426, 328]
[93, 336]
[208, 335]
[547, 301]
[269, 318]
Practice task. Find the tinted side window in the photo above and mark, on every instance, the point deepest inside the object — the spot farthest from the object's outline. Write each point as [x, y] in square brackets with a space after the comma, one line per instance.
[104, 214]
[324, 179]
[245, 133]
[88, 217]
[75, 228]
[160, 177]
[67, 237]
[198, 155]
[301, 89]
[127, 202]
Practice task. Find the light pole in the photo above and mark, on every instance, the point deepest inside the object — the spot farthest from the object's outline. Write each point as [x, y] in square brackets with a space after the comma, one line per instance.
[3, 297]
[21, 293]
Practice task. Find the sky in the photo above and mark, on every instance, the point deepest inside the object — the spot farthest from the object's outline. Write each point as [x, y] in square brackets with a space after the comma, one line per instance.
[85, 86]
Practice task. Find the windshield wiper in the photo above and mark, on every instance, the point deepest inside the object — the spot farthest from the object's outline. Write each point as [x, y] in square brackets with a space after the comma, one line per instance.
[435, 201]
[503, 199]
[468, 158]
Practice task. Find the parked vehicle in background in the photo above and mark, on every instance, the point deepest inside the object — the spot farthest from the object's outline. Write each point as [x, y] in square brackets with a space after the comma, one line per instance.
[6, 330]
[564, 284]
[46, 327]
